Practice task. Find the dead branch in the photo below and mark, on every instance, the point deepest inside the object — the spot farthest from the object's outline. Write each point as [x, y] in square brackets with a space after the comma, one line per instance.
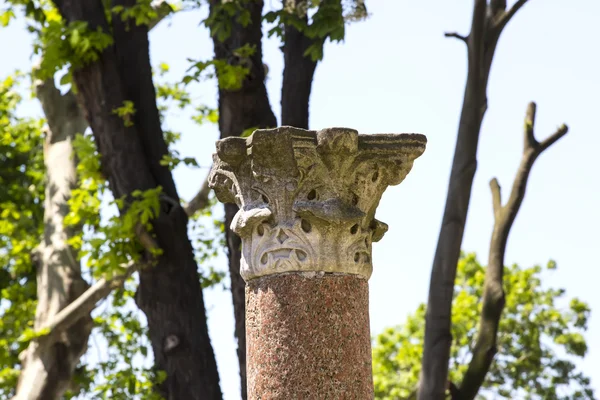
[458, 36]
[486, 26]
[493, 294]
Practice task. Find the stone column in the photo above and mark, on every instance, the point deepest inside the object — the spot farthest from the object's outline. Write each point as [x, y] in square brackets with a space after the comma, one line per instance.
[307, 221]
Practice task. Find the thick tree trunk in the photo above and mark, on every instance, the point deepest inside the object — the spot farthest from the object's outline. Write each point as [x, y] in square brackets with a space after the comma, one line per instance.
[169, 293]
[48, 366]
[298, 74]
[239, 110]
[486, 27]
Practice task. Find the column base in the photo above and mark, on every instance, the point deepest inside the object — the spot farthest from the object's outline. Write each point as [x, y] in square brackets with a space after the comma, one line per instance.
[308, 337]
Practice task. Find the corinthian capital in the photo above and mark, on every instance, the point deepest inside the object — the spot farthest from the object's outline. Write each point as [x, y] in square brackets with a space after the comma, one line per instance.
[307, 199]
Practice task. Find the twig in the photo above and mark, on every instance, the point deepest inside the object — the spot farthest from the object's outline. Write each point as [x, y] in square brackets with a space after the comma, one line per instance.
[493, 294]
[457, 36]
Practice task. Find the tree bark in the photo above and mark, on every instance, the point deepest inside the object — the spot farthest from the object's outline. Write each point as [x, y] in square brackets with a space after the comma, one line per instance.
[239, 110]
[298, 74]
[64, 305]
[493, 292]
[48, 366]
[486, 26]
[169, 292]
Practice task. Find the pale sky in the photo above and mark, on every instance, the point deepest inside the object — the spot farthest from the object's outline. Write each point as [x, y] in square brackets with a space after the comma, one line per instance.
[394, 73]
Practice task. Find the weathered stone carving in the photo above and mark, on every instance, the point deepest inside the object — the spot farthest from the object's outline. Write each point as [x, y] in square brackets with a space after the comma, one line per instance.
[307, 199]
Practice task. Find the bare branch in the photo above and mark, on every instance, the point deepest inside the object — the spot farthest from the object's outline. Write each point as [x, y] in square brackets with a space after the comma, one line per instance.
[560, 132]
[529, 139]
[493, 293]
[85, 303]
[477, 35]
[496, 197]
[199, 201]
[497, 6]
[457, 36]
[145, 238]
[507, 16]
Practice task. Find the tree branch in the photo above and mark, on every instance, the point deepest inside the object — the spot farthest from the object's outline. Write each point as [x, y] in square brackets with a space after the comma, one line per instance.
[162, 9]
[496, 197]
[200, 200]
[477, 35]
[458, 36]
[493, 294]
[530, 126]
[85, 303]
[550, 140]
[507, 16]
[497, 6]
[482, 42]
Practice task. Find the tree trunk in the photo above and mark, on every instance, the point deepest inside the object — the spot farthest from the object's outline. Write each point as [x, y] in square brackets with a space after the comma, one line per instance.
[486, 27]
[48, 367]
[169, 292]
[239, 110]
[298, 74]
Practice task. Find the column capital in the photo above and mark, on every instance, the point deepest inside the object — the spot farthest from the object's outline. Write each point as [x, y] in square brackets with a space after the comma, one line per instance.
[307, 199]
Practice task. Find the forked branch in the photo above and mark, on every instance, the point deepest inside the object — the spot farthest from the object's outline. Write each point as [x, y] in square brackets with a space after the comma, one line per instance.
[489, 17]
[506, 16]
[493, 293]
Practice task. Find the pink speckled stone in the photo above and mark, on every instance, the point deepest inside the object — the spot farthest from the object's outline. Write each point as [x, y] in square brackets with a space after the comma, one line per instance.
[308, 337]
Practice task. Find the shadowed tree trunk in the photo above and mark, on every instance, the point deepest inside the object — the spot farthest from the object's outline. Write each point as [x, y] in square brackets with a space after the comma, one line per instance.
[239, 110]
[489, 19]
[64, 305]
[249, 107]
[169, 292]
[298, 74]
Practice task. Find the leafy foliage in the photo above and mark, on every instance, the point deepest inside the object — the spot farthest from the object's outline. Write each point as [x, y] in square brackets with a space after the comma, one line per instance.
[141, 12]
[126, 112]
[537, 344]
[21, 226]
[105, 241]
[317, 20]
